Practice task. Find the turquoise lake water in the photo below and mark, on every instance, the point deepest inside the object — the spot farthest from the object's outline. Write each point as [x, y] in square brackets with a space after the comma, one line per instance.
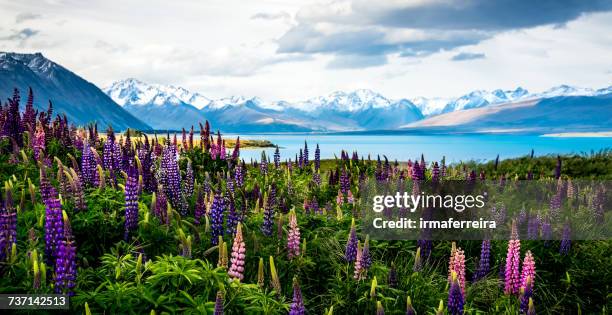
[403, 147]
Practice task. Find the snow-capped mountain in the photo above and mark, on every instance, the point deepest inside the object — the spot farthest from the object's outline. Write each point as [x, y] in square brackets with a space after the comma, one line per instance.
[345, 102]
[80, 100]
[566, 90]
[430, 106]
[135, 92]
[482, 98]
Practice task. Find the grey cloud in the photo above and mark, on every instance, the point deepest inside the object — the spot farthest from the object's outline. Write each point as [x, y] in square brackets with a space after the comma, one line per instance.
[443, 25]
[487, 14]
[21, 17]
[306, 39]
[468, 56]
[271, 16]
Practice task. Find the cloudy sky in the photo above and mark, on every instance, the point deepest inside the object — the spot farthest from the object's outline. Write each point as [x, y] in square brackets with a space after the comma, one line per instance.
[284, 49]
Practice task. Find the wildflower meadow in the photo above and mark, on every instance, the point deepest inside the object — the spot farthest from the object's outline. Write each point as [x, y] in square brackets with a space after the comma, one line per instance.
[134, 223]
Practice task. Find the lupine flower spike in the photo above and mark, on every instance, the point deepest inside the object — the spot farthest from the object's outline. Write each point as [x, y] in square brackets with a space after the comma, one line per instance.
[293, 238]
[513, 259]
[483, 263]
[297, 306]
[236, 270]
[528, 271]
[455, 297]
[219, 308]
[351, 244]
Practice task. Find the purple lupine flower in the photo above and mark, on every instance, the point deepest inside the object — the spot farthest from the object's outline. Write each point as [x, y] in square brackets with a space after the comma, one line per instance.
[435, 173]
[513, 259]
[117, 156]
[161, 207]
[528, 271]
[236, 151]
[219, 308]
[423, 166]
[350, 253]
[229, 184]
[416, 171]
[131, 203]
[146, 161]
[526, 294]
[566, 239]
[300, 159]
[171, 177]
[345, 184]
[314, 206]
[305, 160]
[232, 216]
[263, 165]
[236, 270]
[54, 225]
[293, 237]
[317, 157]
[239, 175]
[276, 158]
[217, 210]
[189, 181]
[65, 267]
[297, 306]
[483, 263]
[455, 296]
[366, 256]
[268, 219]
[88, 165]
[8, 228]
[77, 191]
[200, 208]
[108, 150]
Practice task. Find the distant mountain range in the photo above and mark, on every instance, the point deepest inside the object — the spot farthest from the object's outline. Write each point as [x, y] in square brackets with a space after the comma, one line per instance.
[81, 101]
[169, 107]
[136, 104]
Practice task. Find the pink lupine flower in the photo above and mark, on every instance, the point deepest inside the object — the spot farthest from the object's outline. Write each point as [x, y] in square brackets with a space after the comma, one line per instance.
[513, 260]
[457, 266]
[528, 270]
[236, 270]
[340, 197]
[293, 239]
